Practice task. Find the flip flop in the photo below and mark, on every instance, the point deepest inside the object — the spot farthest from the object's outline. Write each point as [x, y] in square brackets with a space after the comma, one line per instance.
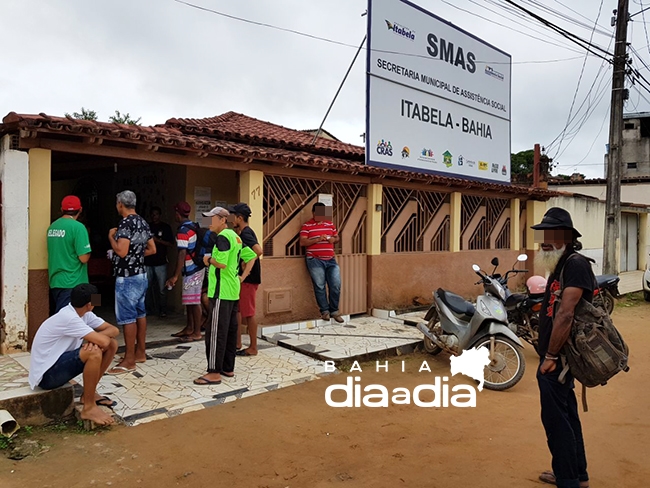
[204, 381]
[244, 352]
[179, 334]
[119, 370]
[106, 402]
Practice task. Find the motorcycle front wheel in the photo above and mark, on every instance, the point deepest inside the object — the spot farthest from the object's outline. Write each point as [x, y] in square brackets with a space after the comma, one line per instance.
[429, 346]
[507, 366]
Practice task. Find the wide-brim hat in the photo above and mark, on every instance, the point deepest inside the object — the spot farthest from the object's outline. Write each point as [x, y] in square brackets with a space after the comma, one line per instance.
[557, 218]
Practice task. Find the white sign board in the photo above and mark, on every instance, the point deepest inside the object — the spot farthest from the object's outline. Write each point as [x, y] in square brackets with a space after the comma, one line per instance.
[438, 98]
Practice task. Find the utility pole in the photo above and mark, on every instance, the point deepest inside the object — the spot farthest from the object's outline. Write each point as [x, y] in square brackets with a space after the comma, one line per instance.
[613, 200]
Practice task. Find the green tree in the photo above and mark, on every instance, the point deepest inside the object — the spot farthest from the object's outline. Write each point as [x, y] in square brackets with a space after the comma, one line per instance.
[521, 163]
[84, 114]
[120, 118]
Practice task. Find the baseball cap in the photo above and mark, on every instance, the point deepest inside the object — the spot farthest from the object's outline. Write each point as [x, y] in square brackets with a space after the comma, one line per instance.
[70, 203]
[220, 211]
[241, 209]
[183, 208]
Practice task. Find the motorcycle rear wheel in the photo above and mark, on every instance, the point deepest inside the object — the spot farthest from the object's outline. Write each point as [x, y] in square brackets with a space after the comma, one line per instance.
[429, 346]
[508, 364]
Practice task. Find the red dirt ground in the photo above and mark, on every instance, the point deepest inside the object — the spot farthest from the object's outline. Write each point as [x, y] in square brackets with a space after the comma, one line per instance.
[290, 438]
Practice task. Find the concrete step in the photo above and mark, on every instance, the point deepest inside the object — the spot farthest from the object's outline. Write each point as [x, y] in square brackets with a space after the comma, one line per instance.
[38, 407]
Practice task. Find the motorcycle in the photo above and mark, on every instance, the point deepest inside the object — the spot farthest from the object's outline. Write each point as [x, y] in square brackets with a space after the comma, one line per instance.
[523, 309]
[454, 324]
[606, 291]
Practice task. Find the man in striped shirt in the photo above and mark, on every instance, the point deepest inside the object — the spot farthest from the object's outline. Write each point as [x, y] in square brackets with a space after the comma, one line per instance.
[186, 241]
[319, 235]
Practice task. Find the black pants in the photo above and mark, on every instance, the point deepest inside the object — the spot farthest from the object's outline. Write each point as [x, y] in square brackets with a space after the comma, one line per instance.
[563, 429]
[221, 335]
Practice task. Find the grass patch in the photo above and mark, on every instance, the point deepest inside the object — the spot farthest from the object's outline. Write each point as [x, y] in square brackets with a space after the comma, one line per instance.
[631, 300]
[5, 443]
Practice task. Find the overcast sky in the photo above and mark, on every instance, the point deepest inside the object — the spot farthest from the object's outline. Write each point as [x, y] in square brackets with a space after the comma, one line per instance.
[158, 59]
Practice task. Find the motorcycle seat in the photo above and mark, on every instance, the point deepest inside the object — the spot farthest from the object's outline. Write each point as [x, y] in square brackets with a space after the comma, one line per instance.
[514, 299]
[605, 279]
[456, 303]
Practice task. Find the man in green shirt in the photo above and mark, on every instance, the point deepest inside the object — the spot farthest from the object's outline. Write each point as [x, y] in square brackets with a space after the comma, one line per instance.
[68, 252]
[224, 284]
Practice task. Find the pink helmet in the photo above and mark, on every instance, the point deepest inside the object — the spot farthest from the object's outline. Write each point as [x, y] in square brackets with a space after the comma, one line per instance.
[536, 285]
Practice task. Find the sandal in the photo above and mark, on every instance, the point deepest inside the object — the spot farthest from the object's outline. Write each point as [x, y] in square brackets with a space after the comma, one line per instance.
[204, 381]
[549, 477]
[106, 402]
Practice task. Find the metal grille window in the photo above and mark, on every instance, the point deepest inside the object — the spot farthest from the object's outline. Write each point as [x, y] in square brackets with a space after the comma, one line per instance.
[414, 220]
[287, 204]
[485, 223]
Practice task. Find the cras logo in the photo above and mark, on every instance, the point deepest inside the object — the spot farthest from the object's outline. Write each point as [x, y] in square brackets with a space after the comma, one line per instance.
[400, 30]
[406, 152]
[471, 363]
[384, 148]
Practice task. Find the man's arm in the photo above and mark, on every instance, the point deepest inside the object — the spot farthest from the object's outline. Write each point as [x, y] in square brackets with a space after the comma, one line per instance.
[308, 241]
[108, 330]
[258, 250]
[180, 262]
[151, 247]
[84, 258]
[562, 324]
[100, 340]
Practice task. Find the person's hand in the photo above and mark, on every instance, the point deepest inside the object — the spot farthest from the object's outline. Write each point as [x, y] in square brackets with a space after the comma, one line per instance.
[548, 366]
[241, 279]
[171, 282]
[324, 238]
[206, 259]
[112, 232]
[89, 346]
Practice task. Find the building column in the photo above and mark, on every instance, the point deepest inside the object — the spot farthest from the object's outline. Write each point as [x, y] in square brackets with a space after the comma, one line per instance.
[251, 191]
[456, 202]
[373, 219]
[643, 240]
[40, 178]
[14, 181]
[535, 211]
[515, 227]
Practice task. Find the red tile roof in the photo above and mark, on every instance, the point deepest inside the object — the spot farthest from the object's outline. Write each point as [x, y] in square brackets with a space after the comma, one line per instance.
[242, 128]
[259, 141]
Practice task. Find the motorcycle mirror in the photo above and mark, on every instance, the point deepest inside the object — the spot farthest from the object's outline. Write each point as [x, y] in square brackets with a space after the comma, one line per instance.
[495, 261]
[522, 257]
[476, 267]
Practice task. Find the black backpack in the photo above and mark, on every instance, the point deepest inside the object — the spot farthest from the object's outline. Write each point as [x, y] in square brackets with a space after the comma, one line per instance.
[203, 238]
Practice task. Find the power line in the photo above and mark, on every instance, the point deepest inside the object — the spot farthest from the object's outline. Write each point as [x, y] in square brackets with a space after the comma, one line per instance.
[345, 44]
[584, 62]
[568, 18]
[570, 36]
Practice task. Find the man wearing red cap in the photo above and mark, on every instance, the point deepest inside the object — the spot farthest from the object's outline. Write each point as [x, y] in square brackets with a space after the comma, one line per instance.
[68, 252]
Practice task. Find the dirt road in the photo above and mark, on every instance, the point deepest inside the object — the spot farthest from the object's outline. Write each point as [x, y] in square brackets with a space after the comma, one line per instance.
[291, 438]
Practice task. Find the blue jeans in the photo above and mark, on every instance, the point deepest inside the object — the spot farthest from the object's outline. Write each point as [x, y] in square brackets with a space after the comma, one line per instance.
[68, 366]
[325, 271]
[129, 298]
[563, 428]
[156, 299]
[61, 298]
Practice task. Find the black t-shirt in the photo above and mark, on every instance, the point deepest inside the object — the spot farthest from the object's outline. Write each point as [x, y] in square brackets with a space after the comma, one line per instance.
[249, 239]
[136, 230]
[578, 274]
[162, 231]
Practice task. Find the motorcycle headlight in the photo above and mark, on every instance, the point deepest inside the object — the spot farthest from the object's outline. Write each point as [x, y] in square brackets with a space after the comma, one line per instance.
[485, 309]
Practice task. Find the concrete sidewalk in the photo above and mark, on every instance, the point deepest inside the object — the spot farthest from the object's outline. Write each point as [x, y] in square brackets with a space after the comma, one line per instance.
[163, 386]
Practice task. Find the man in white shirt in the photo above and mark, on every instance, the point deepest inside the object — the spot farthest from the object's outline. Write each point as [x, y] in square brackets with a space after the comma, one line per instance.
[72, 342]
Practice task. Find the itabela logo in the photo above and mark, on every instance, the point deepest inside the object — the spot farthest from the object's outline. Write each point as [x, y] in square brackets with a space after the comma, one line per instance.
[384, 148]
[471, 363]
[400, 30]
[406, 152]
